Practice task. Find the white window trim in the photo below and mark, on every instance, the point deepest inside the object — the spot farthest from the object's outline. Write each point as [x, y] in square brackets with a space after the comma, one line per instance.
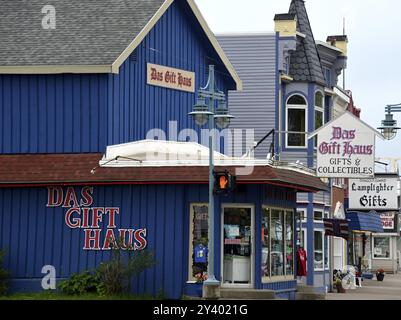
[296, 106]
[390, 247]
[322, 212]
[326, 239]
[320, 109]
[305, 215]
[285, 277]
[323, 240]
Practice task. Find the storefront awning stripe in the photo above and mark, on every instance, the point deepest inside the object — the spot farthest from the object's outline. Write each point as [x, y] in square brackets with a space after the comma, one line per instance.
[365, 221]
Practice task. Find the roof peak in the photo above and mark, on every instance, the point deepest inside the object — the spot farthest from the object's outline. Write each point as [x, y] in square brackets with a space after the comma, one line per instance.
[305, 61]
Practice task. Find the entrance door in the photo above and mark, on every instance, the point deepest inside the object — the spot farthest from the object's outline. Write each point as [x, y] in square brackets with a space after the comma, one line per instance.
[238, 246]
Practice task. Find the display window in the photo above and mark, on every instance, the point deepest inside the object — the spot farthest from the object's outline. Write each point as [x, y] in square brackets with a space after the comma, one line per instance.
[198, 248]
[321, 251]
[381, 248]
[277, 244]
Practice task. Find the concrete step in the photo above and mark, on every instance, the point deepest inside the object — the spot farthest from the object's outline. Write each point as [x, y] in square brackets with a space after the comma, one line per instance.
[310, 296]
[302, 288]
[247, 294]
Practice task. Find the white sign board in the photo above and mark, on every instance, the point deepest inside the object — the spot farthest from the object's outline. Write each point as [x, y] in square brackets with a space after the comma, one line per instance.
[380, 193]
[346, 149]
[388, 221]
[171, 78]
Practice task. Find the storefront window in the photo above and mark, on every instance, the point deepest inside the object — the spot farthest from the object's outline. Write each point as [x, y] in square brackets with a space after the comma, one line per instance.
[381, 248]
[289, 241]
[199, 242]
[326, 253]
[318, 251]
[277, 243]
[265, 243]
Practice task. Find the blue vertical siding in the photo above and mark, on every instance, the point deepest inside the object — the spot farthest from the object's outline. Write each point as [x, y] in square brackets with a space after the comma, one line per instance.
[52, 113]
[134, 107]
[35, 235]
[80, 113]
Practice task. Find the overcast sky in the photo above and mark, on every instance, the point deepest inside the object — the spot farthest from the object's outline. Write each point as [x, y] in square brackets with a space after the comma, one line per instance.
[374, 32]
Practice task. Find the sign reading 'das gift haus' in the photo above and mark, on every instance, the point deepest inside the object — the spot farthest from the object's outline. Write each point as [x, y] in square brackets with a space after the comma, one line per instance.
[345, 148]
[171, 78]
[98, 224]
[380, 193]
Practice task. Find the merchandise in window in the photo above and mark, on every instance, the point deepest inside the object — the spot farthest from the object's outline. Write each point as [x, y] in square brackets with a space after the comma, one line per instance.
[289, 241]
[296, 122]
[277, 243]
[199, 243]
[381, 247]
[265, 243]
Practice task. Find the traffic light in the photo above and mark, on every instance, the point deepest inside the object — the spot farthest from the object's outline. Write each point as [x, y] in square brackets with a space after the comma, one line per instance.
[223, 182]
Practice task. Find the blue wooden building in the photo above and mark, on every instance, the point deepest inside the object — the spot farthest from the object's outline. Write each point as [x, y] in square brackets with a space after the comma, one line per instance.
[112, 73]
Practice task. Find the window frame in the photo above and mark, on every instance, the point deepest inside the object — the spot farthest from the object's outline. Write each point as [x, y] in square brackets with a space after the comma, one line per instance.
[270, 279]
[190, 278]
[390, 247]
[314, 249]
[296, 107]
[318, 109]
[323, 215]
[305, 215]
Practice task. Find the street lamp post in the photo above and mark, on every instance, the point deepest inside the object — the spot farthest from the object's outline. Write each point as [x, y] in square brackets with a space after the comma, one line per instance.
[389, 125]
[203, 113]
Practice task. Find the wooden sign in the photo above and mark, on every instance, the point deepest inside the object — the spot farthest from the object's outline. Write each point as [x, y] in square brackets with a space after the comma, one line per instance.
[171, 78]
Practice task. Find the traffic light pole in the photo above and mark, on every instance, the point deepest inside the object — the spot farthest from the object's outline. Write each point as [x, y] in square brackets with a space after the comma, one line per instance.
[211, 281]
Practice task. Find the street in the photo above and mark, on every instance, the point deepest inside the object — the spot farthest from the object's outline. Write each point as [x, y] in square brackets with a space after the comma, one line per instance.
[389, 289]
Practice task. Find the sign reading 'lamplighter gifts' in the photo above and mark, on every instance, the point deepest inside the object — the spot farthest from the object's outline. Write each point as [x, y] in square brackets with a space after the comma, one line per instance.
[380, 193]
[345, 148]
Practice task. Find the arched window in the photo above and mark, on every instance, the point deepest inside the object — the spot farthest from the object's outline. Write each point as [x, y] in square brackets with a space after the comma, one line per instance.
[319, 112]
[296, 122]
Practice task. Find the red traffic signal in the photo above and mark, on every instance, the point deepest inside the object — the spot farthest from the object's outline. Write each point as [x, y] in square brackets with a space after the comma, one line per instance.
[224, 182]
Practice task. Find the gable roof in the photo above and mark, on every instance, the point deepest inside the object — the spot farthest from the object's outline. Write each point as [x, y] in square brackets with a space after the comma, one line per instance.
[305, 62]
[90, 36]
[338, 119]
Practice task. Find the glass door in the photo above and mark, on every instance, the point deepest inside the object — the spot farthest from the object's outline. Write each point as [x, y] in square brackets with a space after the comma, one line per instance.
[237, 246]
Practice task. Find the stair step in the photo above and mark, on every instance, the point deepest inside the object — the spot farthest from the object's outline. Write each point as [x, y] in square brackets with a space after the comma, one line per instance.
[250, 294]
[310, 296]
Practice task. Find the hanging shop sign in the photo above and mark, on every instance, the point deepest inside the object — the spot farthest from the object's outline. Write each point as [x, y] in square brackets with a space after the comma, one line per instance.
[98, 224]
[171, 78]
[345, 148]
[380, 193]
[388, 221]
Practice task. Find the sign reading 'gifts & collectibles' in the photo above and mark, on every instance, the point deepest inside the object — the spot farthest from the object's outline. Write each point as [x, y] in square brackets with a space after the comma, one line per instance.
[171, 78]
[380, 193]
[345, 148]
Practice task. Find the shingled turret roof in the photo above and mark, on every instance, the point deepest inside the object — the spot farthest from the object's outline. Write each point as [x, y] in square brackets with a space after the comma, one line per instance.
[305, 61]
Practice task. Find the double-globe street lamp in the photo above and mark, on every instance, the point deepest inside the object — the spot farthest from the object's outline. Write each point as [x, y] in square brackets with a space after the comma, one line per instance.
[389, 125]
[202, 113]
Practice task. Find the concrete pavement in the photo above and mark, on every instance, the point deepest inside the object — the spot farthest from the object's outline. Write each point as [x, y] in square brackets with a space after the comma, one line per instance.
[389, 289]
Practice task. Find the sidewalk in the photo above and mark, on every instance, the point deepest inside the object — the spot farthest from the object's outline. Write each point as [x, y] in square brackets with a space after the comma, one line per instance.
[389, 289]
